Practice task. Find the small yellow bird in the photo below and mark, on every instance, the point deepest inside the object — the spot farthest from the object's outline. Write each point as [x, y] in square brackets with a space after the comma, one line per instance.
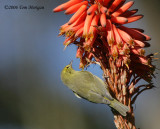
[90, 87]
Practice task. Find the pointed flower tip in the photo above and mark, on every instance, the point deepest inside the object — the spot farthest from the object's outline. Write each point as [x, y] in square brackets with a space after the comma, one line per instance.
[55, 10]
[69, 23]
[92, 9]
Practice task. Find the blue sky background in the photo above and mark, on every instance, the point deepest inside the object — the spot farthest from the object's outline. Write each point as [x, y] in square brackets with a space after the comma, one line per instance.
[32, 95]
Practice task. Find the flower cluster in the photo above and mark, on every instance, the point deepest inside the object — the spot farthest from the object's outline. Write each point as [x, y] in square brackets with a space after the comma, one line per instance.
[100, 24]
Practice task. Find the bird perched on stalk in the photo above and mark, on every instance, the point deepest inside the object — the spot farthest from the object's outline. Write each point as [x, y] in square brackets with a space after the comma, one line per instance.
[90, 87]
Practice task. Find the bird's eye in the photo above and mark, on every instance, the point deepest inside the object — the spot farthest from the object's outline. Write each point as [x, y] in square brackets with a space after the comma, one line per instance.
[67, 67]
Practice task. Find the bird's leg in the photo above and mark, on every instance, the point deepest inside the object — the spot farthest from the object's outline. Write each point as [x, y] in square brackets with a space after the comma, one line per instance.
[92, 62]
[105, 76]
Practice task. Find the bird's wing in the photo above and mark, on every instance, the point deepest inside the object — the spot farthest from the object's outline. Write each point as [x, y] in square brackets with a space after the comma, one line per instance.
[103, 86]
[89, 82]
[84, 79]
[84, 83]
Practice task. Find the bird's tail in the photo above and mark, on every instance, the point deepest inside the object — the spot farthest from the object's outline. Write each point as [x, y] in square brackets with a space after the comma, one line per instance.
[121, 108]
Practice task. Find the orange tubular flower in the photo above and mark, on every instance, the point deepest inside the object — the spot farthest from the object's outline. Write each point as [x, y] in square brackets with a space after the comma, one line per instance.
[123, 9]
[114, 10]
[77, 14]
[75, 7]
[103, 9]
[93, 30]
[66, 5]
[98, 28]
[92, 9]
[110, 16]
[87, 25]
[103, 20]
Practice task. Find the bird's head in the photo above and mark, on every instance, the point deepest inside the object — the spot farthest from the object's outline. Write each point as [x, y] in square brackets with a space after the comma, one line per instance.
[68, 68]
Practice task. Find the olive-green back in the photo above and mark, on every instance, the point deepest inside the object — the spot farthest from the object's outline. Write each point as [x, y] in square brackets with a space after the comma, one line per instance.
[82, 82]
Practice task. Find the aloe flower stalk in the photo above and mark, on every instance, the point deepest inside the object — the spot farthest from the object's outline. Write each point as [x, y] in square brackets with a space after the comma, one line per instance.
[97, 28]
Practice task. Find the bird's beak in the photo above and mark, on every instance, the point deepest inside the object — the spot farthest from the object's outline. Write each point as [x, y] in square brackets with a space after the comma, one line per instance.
[71, 63]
